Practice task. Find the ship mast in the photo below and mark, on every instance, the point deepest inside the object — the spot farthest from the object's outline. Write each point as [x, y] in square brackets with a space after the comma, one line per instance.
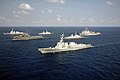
[61, 38]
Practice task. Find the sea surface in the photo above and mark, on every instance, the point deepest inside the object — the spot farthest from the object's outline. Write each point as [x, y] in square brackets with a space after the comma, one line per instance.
[20, 60]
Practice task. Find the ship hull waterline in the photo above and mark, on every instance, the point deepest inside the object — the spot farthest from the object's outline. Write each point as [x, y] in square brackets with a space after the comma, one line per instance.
[54, 50]
[27, 38]
[95, 34]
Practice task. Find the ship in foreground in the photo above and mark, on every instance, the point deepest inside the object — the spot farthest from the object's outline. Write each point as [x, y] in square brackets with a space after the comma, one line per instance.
[13, 33]
[87, 32]
[64, 46]
[45, 33]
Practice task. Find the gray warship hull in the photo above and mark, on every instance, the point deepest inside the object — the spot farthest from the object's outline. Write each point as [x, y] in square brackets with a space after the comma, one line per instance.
[55, 50]
[27, 38]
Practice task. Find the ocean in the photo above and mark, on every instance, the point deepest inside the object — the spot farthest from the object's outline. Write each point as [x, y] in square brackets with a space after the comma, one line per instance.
[20, 60]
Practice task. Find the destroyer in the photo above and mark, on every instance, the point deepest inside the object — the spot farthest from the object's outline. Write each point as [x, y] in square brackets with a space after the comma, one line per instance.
[45, 33]
[74, 36]
[13, 33]
[64, 46]
[87, 32]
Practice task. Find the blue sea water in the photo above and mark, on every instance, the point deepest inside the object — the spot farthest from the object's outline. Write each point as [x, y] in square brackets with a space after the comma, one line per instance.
[20, 60]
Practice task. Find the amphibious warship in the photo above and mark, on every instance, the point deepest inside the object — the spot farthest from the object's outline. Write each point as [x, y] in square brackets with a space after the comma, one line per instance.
[26, 36]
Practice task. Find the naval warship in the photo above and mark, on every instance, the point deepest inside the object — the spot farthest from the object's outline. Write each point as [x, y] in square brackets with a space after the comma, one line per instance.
[45, 33]
[13, 33]
[64, 46]
[87, 32]
[75, 36]
[26, 36]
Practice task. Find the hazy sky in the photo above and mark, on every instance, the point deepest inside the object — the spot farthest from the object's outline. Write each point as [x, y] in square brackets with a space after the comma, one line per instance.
[60, 12]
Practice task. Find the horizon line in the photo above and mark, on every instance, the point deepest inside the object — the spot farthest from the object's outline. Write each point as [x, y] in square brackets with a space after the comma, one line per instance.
[59, 25]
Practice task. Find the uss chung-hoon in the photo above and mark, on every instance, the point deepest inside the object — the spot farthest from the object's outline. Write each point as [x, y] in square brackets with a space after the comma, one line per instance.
[64, 46]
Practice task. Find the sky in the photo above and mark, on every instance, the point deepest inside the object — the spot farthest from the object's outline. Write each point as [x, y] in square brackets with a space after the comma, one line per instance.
[59, 12]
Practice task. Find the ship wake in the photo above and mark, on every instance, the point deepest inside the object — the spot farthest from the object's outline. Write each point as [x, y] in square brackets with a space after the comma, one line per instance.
[106, 44]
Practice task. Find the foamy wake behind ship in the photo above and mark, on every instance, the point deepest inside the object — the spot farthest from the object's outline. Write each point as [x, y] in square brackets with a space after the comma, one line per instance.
[87, 32]
[12, 33]
[64, 46]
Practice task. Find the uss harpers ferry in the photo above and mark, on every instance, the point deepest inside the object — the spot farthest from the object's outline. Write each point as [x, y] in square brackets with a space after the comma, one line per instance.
[64, 46]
